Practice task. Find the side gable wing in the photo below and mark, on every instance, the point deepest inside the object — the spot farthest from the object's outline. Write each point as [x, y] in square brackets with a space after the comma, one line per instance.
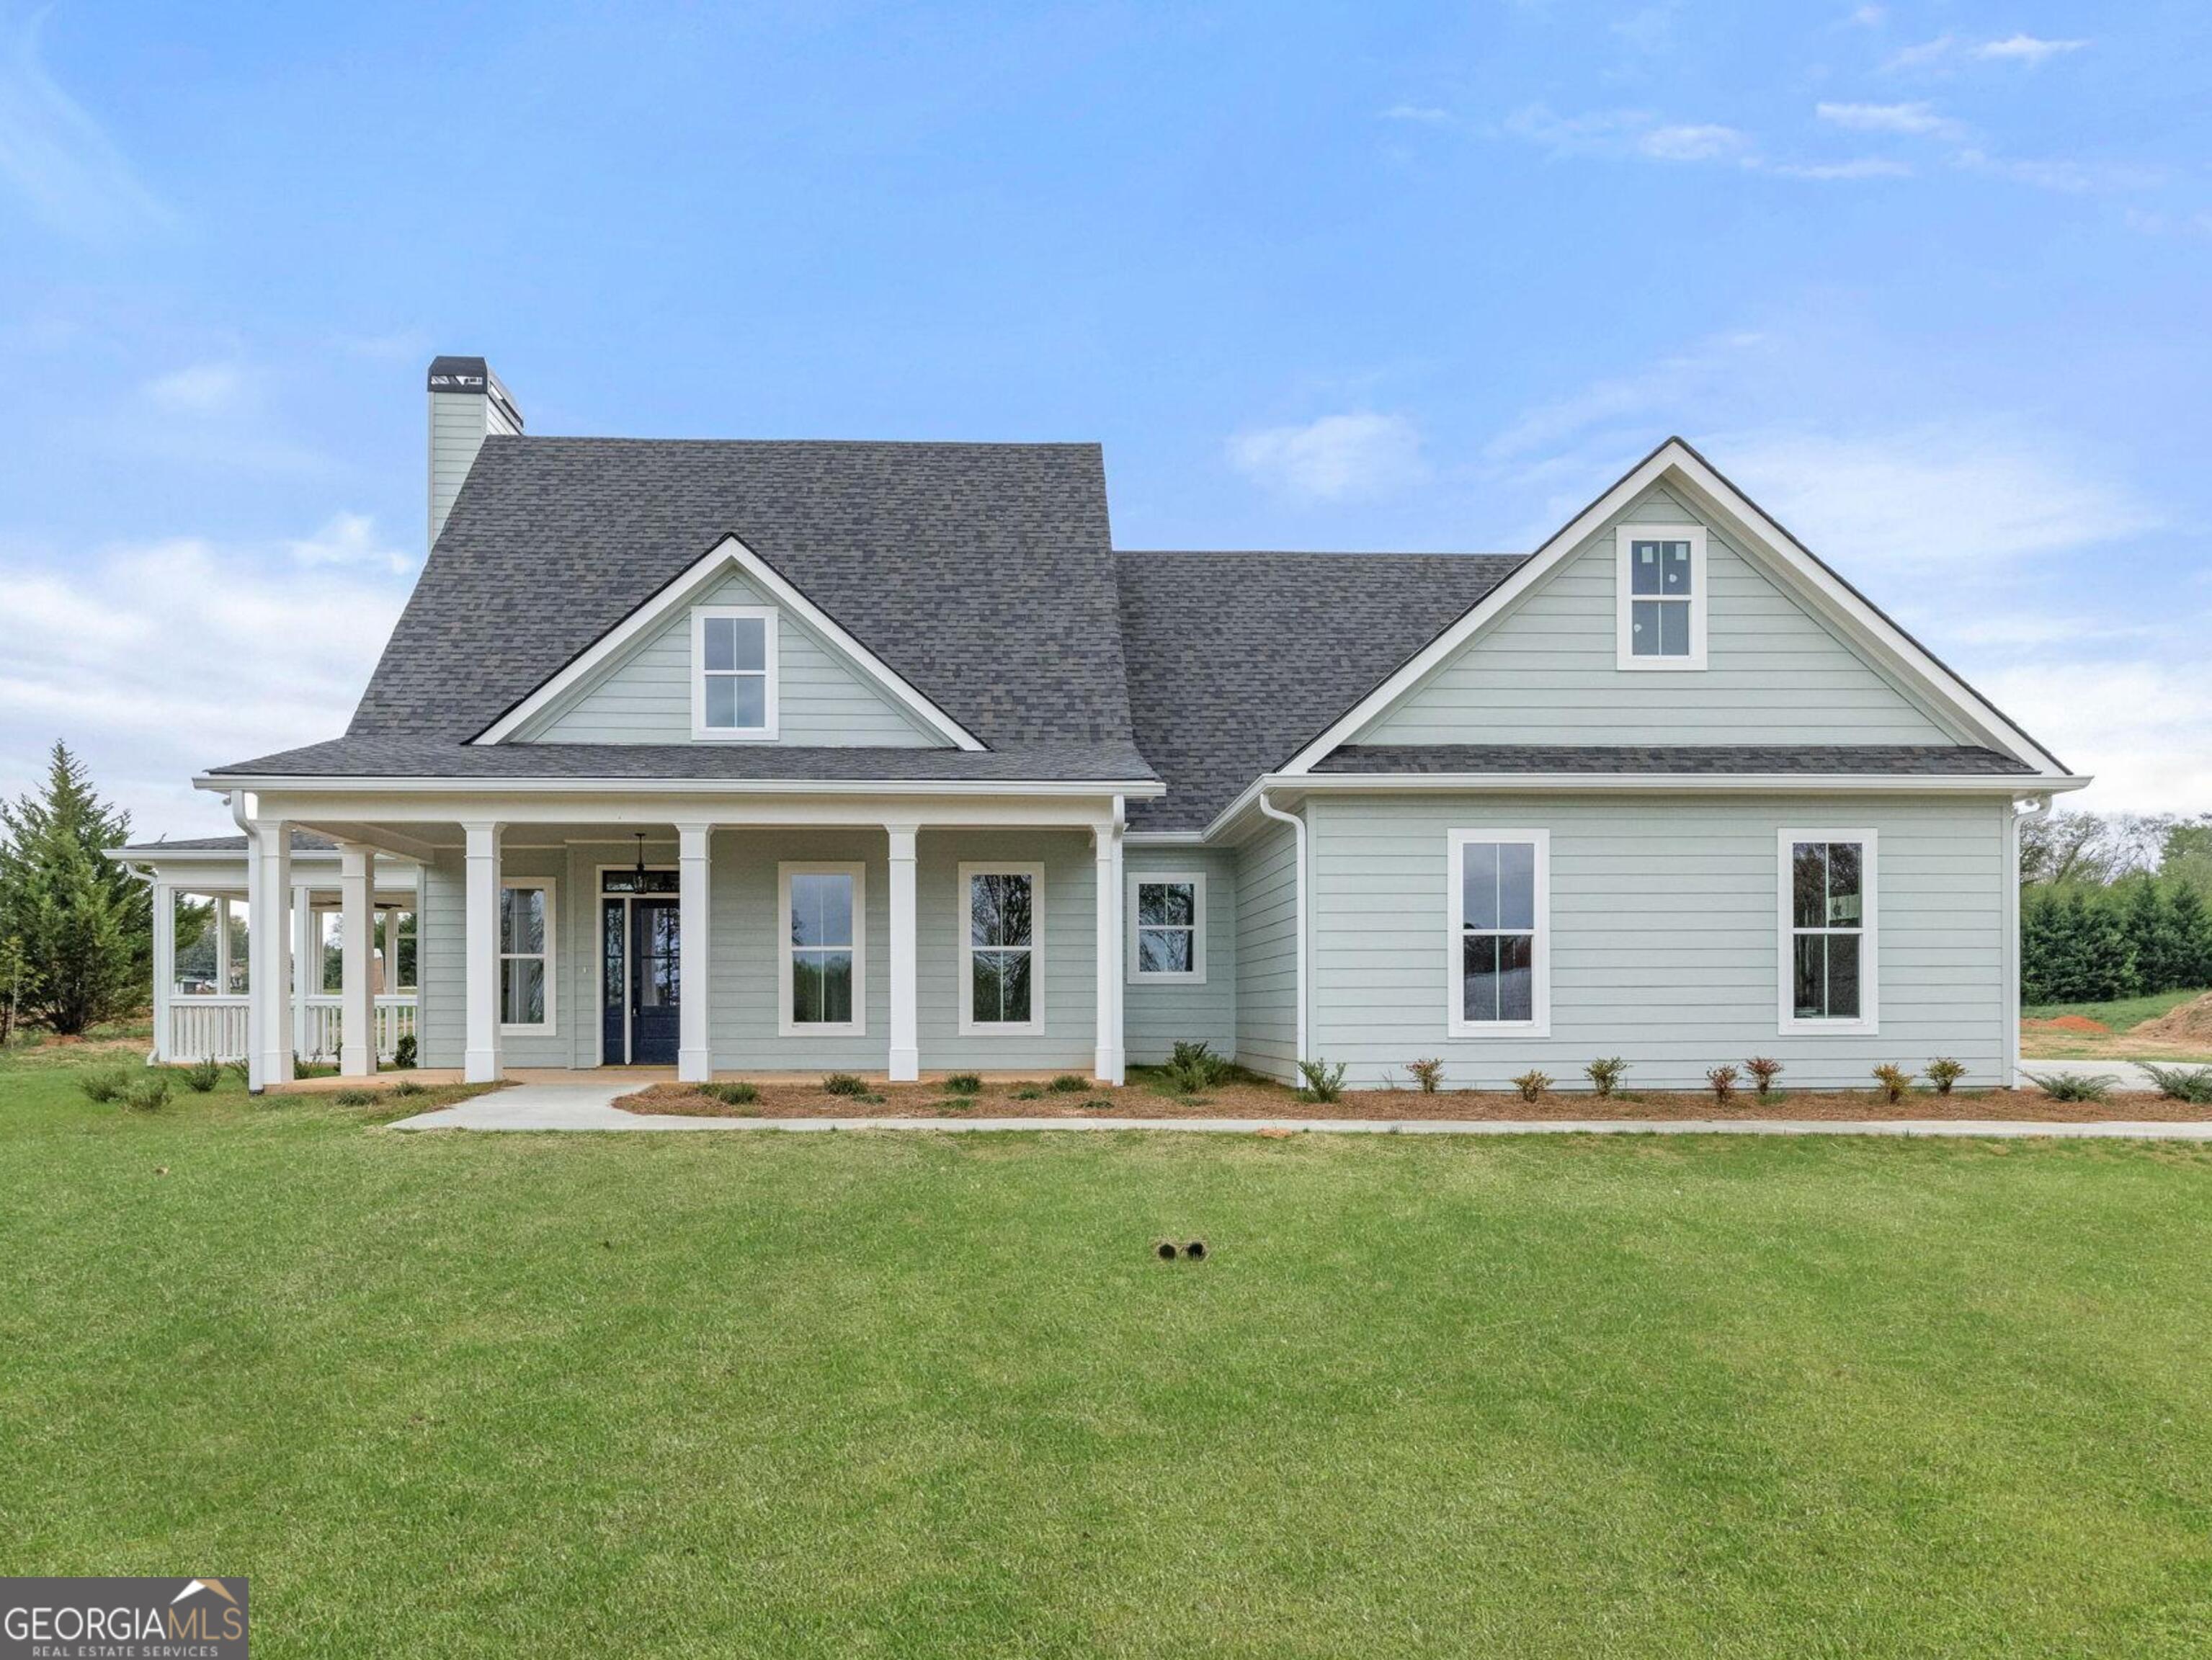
[633, 685]
[1793, 654]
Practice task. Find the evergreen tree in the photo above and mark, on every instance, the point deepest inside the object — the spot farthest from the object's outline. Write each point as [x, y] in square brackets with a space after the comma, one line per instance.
[85, 924]
[2190, 920]
[2147, 919]
[2038, 946]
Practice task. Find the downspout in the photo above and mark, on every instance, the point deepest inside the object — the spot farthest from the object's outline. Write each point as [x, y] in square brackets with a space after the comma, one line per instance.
[1297, 824]
[2014, 814]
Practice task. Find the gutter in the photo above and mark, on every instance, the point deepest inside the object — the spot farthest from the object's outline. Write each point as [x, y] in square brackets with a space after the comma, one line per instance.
[1297, 824]
[309, 783]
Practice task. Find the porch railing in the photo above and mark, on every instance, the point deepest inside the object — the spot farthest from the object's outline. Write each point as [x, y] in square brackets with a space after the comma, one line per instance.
[214, 1028]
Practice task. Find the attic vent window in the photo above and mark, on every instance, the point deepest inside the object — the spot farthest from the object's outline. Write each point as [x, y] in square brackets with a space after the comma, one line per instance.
[1662, 582]
[733, 671]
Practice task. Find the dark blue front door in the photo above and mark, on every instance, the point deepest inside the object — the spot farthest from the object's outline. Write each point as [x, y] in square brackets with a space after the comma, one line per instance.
[641, 1014]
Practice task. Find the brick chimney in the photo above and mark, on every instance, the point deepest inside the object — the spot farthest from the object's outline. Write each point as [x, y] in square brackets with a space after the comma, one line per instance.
[467, 405]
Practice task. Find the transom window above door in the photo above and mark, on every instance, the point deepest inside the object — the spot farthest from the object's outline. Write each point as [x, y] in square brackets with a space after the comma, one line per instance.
[733, 671]
[1001, 949]
[1663, 580]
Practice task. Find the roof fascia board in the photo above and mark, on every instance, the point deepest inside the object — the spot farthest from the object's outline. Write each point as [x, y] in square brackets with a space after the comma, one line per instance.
[728, 554]
[1675, 460]
[1144, 788]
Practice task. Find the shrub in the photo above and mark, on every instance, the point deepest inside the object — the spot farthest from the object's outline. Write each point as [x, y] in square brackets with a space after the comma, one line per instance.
[1943, 1072]
[353, 1098]
[1030, 1092]
[1764, 1070]
[1429, 1074]
[1324, 1082]
[239, 1070]
[201, 1076]
[1193, 1069]
[147, 1094]
[1895, 1081]
[1532, 1084]
[844, 1083]
[403, 1052]
[1099, 1103]
[1605, 1074]
[2190, 1084]
[1069, 1083]
[739, 1093]
[406, 1087]
[105, 1085]
[1724, 1080]
[965, 1083]
[2076, 1086]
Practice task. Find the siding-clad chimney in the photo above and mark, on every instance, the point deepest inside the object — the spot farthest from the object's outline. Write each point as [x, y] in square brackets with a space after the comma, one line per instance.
[467, 405]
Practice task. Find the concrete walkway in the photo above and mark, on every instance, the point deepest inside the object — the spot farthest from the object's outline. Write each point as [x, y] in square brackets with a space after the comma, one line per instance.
[590, 1107]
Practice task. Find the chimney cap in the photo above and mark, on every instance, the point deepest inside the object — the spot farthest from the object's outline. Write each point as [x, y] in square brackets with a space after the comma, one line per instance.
[472, 375]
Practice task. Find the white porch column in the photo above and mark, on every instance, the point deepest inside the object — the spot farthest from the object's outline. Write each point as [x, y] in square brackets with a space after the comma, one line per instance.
[223, 936]
[694, 1047]
[268, 980]
[388, 942]
[481, 1062]
[357, 1001]
[165, 967]
[1108, 1065]
[906, 1040]
[306, 964]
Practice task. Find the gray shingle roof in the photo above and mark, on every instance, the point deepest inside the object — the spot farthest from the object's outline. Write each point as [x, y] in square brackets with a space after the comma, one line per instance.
[400, 756]
[1945, 760]
[302, 841]
[983, 573]
[1237, 659]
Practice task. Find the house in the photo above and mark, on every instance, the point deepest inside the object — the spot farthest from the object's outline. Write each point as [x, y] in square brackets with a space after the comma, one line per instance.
[882, 757]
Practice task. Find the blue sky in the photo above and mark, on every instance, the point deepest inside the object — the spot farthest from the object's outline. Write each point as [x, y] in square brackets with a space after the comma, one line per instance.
[1930, 280]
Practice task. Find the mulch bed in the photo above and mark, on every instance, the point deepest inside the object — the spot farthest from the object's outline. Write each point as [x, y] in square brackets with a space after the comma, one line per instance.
[1245, 1100]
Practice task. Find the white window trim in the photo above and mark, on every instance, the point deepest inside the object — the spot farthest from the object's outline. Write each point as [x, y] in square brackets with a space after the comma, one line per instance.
[786, 1026]
[699, 729]
[1539, 967]
[1624, 599]
[548, 1027]
[1195, 880]
[1869, 1018]
[963, 920]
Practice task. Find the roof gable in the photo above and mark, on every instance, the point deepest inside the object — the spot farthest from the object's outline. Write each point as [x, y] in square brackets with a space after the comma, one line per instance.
[980, 574]
[1848, 613]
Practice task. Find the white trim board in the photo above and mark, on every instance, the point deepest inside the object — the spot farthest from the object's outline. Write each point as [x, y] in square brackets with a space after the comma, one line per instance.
[1675, 463]
[726, 555]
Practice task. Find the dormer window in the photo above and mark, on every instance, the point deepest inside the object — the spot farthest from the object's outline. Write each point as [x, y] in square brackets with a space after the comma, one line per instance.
[733, 671]
[1662, 580]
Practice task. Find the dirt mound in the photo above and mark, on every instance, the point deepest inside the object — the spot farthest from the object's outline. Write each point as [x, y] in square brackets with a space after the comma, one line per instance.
[2068, 1022]
[2190, 1023]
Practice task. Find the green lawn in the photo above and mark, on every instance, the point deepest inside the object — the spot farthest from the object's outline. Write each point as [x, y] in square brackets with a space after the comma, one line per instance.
[916, 1395]
[2124, 1015]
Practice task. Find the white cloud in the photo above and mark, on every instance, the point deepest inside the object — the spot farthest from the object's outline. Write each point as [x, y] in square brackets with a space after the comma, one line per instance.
[1425, 115]
[1858, 167]
[350, 539]
[199, 389]
[1868, 17]
[1914, 119]
[2026, 49]
[55, 154]
[1337, 457]
[157, 660]
[1928, 501]
[2138, 724]
[1924, 55]
[1705, 142]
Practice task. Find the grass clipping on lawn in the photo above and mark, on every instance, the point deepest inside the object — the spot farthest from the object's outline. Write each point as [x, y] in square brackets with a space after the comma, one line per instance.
[1148, 1095]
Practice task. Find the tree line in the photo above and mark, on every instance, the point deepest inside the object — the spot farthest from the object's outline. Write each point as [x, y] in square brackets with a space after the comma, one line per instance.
[2114, 906]
[76, 928]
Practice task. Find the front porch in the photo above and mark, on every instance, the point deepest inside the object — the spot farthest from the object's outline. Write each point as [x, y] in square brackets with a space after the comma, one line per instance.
[792, 938]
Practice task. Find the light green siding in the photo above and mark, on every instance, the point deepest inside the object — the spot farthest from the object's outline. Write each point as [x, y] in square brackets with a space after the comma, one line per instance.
[441, 1016]
[1547, 671]
[1267, 953]
[1158, 1015]
[645, 697]
[1664, 919]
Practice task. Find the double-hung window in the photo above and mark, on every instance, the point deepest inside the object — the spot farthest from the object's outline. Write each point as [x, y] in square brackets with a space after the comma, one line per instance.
[1500, 933]
[1167, 928]
[733, 671]
[1661, 582]
[1001, 949]
[1827, 936]
[525, 955]
[823, 986]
